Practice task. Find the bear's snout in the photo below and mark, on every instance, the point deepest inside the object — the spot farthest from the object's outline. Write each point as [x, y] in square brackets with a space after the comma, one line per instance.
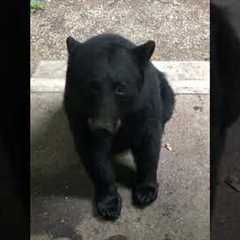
[104, 124]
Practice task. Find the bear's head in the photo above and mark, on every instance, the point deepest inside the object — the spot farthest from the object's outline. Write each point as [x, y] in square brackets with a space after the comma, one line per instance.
[105, 78]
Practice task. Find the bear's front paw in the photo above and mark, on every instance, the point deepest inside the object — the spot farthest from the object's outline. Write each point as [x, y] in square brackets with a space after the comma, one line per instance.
[109, 206]
[144, 195]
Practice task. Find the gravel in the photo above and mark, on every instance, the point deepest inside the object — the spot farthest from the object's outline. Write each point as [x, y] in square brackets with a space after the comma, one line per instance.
[179, 27]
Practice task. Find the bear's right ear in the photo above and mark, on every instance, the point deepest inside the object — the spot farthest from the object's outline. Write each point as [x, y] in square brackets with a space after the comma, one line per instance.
[144, 52]
[72, 44]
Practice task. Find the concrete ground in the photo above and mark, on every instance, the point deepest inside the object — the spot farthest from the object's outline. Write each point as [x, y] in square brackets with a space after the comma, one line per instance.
[180, 28]
[62, 193]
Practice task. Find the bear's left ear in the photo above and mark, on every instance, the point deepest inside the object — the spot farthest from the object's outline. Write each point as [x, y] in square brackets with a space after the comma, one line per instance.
[144, 52]
[72, 44]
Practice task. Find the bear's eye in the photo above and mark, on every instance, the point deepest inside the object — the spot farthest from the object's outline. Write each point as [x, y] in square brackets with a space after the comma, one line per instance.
[120, 89]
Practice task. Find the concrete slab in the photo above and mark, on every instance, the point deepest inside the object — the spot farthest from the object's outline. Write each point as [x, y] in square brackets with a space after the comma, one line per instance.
[179, 87]
[185, 77]
[62, 192]
[177, 70]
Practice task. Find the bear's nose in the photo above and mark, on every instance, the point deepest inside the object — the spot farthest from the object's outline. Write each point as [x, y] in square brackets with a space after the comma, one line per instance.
[103, 124]
[118, 124]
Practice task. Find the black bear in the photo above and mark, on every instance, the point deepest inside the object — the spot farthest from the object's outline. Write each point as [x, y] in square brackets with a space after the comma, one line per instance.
[115, 100]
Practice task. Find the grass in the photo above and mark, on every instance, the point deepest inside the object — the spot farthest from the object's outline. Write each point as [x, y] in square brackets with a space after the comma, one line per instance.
[37, 5]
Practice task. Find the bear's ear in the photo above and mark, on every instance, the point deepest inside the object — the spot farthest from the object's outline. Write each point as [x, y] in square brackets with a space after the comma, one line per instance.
[144, 52]
[72, 44]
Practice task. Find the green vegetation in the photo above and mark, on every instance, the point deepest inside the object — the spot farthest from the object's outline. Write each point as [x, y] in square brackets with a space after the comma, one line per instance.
[37, 5]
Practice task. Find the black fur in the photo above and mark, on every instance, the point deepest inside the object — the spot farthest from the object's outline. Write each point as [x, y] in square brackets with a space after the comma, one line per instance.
[115, 100]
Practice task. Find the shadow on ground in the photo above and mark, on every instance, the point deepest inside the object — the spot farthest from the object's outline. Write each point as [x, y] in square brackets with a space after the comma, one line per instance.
[57, 173]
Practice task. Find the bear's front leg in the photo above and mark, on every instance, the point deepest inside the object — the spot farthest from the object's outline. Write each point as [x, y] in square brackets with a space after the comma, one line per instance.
[146, 152]
[95, 155]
